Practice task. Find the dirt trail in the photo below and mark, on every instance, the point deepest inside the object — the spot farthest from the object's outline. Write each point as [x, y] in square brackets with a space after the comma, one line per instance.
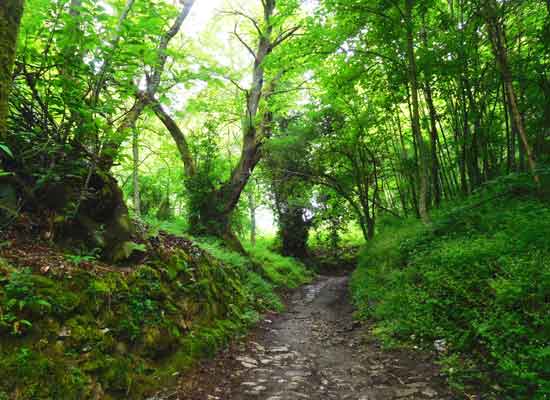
[314, 351]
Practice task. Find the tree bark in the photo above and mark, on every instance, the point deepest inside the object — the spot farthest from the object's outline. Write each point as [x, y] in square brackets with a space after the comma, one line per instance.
[214, 218]
[415, 117]
[10, 18]
[106, 66]
[434, 162]
[434, 142]
[135, 177]
[178, 137]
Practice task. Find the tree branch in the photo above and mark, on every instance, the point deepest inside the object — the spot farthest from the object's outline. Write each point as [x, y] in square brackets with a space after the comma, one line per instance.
[243, 42]
[248, 17]
[177, 135]
[284, 36]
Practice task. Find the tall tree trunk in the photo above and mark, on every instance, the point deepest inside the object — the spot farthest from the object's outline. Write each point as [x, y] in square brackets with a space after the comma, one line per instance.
[434, 142]
[252, 210]
[510, 138]
[108, 58]
[217, 220]
[472, 146]
[496, 34]
[415, 117]
[10, 18]
[135, 151]
[434, 162]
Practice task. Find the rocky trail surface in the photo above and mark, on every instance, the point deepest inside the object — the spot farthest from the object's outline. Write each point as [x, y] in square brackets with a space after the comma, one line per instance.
[313, 351]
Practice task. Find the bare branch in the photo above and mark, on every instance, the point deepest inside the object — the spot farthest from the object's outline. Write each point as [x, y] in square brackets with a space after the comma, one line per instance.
[248, 17]
[284, 36]
[243, 42]
[234, 82]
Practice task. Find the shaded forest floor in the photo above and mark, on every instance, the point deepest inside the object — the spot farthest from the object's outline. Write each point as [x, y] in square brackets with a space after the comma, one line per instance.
[313, 351]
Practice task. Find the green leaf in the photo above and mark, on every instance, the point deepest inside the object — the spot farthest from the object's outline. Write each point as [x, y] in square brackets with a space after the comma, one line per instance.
[25, 322]
[6, 150]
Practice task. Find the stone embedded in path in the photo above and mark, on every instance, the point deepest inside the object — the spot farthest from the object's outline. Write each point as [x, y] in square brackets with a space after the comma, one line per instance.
[247, 362]
[429, 392]
[280, 349]
[406, 392]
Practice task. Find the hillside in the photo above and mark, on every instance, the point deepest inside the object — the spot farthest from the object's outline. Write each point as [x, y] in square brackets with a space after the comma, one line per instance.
[474, 285]
[72, 327]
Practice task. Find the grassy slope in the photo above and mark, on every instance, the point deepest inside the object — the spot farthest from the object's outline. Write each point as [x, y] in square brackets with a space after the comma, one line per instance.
[479, 278]
[86, 335]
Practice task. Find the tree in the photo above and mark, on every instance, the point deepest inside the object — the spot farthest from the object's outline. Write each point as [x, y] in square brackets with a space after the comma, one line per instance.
[153, 78]
[10, 18]
[285, 170]
[415, 116]
[495, 29]
[213, 204]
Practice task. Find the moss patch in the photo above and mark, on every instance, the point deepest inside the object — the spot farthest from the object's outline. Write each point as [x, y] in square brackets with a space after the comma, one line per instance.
[121, 335]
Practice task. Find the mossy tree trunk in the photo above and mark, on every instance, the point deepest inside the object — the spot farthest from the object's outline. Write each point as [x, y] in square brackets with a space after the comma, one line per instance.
[210, 216]
[10, 18]
[293, 230]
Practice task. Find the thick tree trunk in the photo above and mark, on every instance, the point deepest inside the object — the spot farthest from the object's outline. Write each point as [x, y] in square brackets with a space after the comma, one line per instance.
[415, 117]
[496, 34]
[10, 18]
[215, 218]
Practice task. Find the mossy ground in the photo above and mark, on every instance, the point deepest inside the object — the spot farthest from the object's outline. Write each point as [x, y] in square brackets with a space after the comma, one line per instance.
[114, 334]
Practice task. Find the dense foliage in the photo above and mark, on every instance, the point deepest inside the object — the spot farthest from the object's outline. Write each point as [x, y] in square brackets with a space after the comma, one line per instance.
[122, 121]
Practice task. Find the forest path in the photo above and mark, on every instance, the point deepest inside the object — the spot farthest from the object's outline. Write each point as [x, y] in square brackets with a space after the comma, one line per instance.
[314, 351]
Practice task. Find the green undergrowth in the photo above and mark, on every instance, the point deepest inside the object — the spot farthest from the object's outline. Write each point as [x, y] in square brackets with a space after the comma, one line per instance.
[268, 271]
[477, 278]
[113, 335]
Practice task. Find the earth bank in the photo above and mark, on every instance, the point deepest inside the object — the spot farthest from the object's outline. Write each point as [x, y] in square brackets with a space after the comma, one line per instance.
[95, 331]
